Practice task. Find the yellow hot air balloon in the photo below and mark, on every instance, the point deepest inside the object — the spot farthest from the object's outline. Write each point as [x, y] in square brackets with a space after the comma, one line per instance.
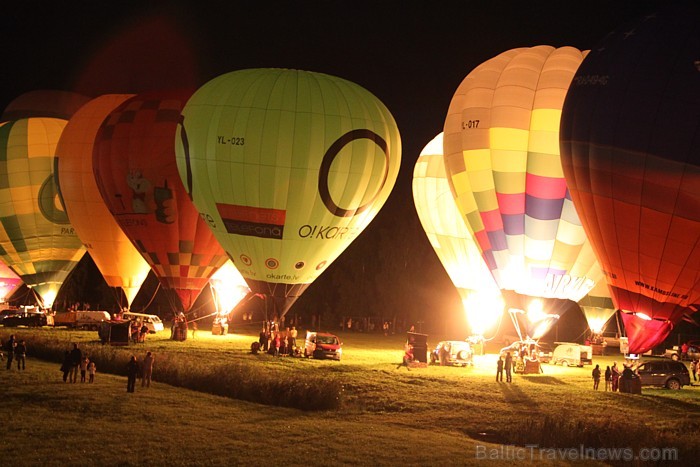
[113, 253]
[288, 167]
[502, 158]
[36, 238]
[452, 241]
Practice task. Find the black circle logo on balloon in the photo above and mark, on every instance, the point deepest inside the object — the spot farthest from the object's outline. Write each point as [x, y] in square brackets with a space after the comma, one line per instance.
[330, 156]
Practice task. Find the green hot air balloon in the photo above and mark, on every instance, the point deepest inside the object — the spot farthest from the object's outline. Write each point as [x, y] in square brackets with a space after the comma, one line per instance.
[36, 239]
[287, 167]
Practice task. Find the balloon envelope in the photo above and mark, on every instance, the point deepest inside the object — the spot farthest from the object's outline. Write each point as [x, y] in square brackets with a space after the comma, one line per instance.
[631, 156]
[501, 148]
[36, 238]
[502, 158]
[113, 253]
[452, 241]
[135, 168]
[288, 167]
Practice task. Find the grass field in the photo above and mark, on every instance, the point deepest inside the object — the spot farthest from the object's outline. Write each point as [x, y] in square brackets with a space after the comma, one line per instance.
[385, 416]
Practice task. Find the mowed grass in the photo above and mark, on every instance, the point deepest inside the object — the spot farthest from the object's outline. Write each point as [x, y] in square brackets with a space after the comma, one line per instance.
[386, 416]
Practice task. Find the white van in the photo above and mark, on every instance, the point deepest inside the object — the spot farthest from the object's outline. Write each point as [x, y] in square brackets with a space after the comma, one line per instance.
[571, 354]
[152, 322]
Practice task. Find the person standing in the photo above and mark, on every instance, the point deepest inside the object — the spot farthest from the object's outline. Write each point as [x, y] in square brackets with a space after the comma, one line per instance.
[596, 377]
[293, 337]
[21, 354]
[10, 348]
[278, 342]
[83, 368]
[76, 356]
[499, 369]
[694, 369]
[615, 377]
[65, 367]
[92, 369]
[608, 378]
[132, 371]
[509, 367]
[148, 361]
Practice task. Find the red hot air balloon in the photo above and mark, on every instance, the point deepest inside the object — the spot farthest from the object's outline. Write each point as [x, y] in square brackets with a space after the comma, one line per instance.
[135, 168]
[631, 156]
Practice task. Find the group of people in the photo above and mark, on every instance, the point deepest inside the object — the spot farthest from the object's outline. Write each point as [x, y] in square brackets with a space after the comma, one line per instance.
[15, 351]
[504, 362]
[612, 376]
[143, 369]
[139, 331]
[75, 361]
[276, 341]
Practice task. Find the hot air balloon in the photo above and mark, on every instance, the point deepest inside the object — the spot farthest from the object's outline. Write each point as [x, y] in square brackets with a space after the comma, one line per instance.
[134, 165]
[288, 167]
[453, 243]
[9, 282]
[113, 253]
[36, 238]
[631, 157]
[501, 148]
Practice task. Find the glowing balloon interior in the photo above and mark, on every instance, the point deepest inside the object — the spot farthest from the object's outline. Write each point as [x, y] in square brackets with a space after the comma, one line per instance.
[452, 241]
[9, 282]
[229, 288]
[287, 167]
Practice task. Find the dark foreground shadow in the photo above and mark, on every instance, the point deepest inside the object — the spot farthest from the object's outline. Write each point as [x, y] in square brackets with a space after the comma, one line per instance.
[513, 394]
[551, 380]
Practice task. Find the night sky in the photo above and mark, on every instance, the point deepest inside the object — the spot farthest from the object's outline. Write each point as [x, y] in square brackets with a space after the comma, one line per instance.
[411, 54]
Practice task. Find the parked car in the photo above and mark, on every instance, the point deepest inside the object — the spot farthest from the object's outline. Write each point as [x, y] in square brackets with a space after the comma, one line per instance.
[693, 351]
[322, 345]
[152, 322]
[7, 312]
[460, 353]
[24, 318]
[670, 374]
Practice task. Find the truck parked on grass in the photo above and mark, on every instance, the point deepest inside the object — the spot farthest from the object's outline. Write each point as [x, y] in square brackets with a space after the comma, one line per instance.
[81, 319]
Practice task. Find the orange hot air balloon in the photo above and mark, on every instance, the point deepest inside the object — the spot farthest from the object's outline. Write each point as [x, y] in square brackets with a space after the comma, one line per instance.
[136, 172]
[113, 253]
[631, 156]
